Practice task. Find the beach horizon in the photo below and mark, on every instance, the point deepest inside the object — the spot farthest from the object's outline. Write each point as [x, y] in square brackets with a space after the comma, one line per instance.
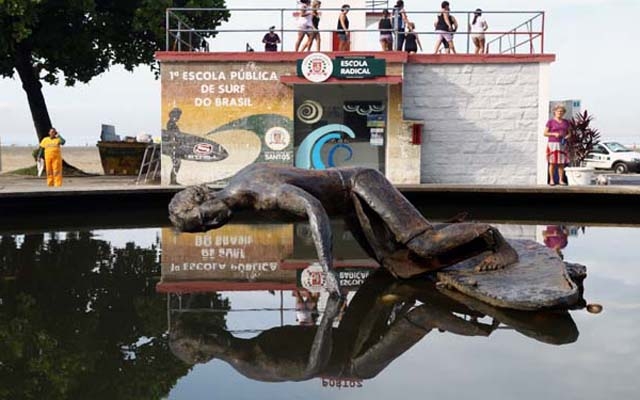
[15, 157]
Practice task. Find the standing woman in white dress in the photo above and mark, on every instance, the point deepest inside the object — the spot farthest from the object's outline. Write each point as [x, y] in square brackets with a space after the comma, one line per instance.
[477, 28]
[304, 24]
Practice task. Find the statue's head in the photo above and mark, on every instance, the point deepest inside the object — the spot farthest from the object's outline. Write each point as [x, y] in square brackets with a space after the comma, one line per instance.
[196, 209]
[198, 344]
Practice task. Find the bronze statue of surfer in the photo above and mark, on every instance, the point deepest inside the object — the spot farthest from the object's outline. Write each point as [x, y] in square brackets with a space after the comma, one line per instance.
[381, 218]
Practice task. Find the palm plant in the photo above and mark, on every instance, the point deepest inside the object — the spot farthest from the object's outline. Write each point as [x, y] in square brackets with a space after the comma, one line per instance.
[583, 138]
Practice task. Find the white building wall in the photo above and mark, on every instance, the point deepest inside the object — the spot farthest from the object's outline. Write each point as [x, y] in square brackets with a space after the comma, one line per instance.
[482, 121]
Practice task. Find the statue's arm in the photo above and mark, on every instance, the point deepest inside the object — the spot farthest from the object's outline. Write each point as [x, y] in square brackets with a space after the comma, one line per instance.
[322, 346]
[298, 202]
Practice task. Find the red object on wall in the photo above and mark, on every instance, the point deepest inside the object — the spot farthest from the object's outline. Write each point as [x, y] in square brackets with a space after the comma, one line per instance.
[416, 134]
[335, 42]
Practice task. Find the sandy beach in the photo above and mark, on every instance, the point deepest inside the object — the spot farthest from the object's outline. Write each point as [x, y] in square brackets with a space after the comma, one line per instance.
[86, 158]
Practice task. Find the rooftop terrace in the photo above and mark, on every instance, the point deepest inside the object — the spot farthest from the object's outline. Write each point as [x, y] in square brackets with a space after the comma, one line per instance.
[509, 32]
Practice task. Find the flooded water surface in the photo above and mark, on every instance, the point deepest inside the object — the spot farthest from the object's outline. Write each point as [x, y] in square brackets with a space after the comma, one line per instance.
[234, 313]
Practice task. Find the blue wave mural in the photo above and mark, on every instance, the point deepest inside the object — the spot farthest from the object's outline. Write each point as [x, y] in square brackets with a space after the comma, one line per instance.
[337, 147]
[309, 154]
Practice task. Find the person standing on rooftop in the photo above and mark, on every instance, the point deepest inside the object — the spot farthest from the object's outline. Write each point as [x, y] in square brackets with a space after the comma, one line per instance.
[411, 39]
[477, 28]
[386, 28]
[304, 23]
[344, 36]
[314, 35]
[400, 20]
[445, 24]
[271, 40]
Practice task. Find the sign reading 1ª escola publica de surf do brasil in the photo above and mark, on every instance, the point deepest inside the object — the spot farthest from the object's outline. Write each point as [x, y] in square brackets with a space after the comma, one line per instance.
[343, 67]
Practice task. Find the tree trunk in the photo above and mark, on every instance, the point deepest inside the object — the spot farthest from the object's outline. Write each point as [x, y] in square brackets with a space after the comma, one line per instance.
[33, 88]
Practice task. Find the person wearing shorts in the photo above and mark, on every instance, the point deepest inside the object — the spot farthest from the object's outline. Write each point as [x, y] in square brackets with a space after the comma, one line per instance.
[400, 20]
[445, 24]
[411, 39]
[477, 28]
[343, 29]
[305, 25]
[386, 28]
[314, 34]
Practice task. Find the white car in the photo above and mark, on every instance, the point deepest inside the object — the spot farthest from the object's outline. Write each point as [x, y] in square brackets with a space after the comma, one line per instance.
[613, 155]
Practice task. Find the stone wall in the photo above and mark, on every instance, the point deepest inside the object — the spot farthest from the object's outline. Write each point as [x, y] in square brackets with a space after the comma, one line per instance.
[482, 121]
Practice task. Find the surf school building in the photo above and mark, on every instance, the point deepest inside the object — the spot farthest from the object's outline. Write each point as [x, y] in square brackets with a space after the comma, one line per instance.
[448, 119]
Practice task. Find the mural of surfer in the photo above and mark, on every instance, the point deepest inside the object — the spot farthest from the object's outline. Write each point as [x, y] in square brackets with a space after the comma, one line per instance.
[220, 153]
[182, 146]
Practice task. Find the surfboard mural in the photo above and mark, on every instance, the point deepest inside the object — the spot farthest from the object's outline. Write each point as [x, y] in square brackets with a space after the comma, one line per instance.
[226, 149]
[227, 116]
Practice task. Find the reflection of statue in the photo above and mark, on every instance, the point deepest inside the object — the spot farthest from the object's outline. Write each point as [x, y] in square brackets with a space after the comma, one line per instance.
[381, 217]
[385, 318]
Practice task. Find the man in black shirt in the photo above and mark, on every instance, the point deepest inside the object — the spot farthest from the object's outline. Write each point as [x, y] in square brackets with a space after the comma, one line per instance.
[271, 40]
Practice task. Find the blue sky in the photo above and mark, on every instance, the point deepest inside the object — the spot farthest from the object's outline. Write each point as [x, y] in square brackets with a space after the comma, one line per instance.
[592, 39]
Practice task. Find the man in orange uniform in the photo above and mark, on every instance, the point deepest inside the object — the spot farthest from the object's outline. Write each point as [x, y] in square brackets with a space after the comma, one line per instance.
[53, 157]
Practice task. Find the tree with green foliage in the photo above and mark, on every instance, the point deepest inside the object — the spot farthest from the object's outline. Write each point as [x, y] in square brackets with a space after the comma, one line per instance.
[80, 319]
[76, 40]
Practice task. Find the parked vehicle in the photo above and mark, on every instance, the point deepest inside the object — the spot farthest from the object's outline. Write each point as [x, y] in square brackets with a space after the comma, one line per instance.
[613, 155]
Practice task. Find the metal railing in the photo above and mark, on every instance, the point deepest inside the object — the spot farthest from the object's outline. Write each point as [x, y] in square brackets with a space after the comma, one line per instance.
[527, 30]
[377, 5]
[501, 38]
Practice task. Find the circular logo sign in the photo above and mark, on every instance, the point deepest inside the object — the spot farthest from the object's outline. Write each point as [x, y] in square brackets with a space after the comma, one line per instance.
[277, 138]
[313, 278]
[317, 67]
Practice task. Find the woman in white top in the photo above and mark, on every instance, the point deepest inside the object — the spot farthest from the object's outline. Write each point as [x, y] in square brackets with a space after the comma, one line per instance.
[305, 25]
[477, 28]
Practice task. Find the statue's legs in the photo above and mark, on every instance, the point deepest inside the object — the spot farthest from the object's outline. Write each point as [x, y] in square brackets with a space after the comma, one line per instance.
[393, 209]
[456, 242]
[439, 247]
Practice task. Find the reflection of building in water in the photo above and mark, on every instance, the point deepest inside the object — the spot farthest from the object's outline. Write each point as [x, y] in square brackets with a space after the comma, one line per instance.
[266, 257]
[261, 257]
[246, 256]
[254, 257]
